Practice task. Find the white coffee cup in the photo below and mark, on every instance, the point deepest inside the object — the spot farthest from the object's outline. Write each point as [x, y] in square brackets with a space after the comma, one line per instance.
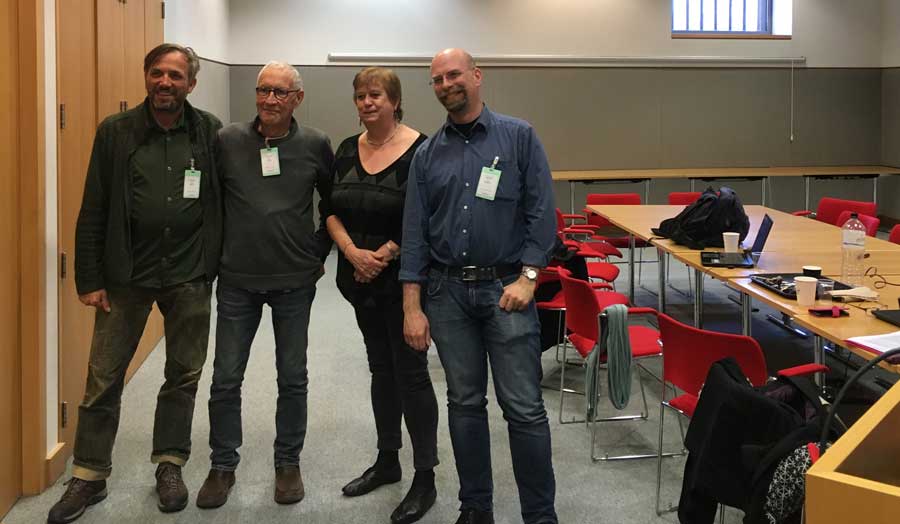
[806, 290]
[731, 241]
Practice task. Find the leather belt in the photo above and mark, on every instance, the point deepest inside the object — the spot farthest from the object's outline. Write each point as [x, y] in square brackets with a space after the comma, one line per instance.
[476, 273]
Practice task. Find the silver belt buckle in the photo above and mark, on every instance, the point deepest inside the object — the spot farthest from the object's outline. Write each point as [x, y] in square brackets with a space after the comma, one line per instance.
[469, 273]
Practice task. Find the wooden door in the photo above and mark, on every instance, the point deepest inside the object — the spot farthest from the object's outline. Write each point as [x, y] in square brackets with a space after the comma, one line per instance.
[110, 38]
[76, 73]
[10, 361]
[134, 51]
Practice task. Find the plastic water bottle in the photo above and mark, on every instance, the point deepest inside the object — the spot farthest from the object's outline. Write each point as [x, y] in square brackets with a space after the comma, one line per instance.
[853, 250]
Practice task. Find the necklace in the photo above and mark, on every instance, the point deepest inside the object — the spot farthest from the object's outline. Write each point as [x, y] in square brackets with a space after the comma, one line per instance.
[377, 145]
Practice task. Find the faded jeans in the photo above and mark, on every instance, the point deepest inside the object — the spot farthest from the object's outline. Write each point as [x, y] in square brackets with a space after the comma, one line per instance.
[185, 308]
[469, 329]
[239, 313]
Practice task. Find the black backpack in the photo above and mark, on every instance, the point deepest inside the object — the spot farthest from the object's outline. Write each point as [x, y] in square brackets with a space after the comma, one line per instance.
[701, 224]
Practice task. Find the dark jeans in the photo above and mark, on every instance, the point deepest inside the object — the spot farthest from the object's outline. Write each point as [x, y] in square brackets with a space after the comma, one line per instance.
[401, 386]
[239, 311]
[470, 329]
[185, 308]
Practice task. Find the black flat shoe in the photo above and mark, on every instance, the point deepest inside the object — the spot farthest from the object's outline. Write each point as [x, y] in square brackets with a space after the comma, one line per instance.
[415, 504]
[371, 479]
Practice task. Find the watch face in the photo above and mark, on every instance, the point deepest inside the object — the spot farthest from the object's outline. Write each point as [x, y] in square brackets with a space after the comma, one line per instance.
[531, 274]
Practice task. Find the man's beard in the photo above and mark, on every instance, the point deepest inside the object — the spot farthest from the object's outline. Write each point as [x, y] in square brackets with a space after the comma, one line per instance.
[173, 105]
[456, 105]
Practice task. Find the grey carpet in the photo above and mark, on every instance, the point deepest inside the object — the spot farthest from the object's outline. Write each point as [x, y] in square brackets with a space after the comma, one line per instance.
[341, 437]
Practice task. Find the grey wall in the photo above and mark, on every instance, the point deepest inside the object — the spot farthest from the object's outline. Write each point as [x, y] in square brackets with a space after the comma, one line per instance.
[213, 90]
[890, 141]
[595, 118]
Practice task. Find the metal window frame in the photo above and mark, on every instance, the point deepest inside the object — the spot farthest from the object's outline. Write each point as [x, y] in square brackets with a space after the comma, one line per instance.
[764, 15]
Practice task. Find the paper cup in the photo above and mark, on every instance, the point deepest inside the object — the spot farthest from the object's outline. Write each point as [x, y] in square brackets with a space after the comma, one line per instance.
[806, 290]
[731, 241]
[812, 271]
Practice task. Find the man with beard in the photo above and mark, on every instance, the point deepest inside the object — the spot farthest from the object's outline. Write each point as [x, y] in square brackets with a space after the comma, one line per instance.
[272, 255]
[149, 231]
[479, 223]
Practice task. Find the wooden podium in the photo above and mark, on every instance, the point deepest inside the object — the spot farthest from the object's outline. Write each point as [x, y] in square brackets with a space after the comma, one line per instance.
[858, 478]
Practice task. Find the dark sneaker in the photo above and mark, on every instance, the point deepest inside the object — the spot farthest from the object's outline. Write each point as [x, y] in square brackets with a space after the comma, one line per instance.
[415, 504]
[78, 496]
[215, 489]
[288, 485]
[173, 494]
[473, 516]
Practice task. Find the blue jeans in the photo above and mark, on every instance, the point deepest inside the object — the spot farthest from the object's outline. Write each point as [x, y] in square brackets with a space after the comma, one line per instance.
[470, 329]
[239, 312]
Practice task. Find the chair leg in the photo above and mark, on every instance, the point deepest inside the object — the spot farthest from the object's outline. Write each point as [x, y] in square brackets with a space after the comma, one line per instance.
[662, 416]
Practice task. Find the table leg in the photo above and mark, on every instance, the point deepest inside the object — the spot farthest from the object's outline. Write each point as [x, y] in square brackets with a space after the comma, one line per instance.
[818, 358]
[631, 268]
[647, 191]
[698, 299]
[571, 196]
[661, 256]
[693, 183]
[763, 181]
[806, 181]
[875, 190]
[746, 314]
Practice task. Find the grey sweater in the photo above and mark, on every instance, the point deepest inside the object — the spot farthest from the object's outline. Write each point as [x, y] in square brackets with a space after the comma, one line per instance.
[271, 240]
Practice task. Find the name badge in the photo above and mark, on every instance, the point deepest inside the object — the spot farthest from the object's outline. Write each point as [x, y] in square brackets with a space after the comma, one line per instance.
[487, 183]
[269, 159]
[191, 183]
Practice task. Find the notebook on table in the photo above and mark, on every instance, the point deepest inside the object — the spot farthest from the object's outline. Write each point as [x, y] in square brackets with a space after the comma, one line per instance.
[745, 258]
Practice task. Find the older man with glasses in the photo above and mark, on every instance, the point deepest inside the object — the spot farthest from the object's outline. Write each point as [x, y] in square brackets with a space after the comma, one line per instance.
[273, 254]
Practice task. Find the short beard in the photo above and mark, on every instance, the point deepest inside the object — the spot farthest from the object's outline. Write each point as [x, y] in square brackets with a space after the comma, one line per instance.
[455, 107]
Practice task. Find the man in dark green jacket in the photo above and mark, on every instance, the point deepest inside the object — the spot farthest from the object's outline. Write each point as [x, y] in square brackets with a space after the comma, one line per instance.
[149, 230]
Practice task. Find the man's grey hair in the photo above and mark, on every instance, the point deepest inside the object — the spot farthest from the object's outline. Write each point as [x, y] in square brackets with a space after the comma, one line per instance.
[296, 80]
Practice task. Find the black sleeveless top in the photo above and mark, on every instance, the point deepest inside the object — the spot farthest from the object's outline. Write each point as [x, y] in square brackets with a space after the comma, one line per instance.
[371, 208]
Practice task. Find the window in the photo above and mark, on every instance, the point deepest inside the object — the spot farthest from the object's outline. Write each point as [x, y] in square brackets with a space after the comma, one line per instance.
[732, 17]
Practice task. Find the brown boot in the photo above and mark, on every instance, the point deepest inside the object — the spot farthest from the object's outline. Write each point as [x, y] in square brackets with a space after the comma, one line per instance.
[173, 494]
[288, 485]
[78, 496]
[215, 489]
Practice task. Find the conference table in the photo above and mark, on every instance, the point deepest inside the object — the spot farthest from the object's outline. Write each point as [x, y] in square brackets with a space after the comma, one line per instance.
[792, 243]
[762, 174]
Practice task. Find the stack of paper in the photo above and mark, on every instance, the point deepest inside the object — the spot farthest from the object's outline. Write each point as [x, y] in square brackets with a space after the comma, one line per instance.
[877, 343]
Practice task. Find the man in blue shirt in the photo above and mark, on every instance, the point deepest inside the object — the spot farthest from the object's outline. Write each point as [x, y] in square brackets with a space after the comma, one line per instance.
[478, 224]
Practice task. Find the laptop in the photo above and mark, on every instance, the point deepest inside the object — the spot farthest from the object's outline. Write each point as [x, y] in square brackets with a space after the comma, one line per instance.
[745, 258]
[888, 315]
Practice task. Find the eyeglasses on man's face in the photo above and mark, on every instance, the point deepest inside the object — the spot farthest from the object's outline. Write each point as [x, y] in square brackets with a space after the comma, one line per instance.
[450, 76]
[280, 94]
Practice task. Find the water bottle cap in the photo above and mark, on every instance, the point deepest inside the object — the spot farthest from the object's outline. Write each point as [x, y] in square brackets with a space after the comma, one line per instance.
[854, 215]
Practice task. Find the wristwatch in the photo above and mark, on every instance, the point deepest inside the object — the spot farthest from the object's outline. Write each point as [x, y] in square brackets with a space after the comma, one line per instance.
[531, 273]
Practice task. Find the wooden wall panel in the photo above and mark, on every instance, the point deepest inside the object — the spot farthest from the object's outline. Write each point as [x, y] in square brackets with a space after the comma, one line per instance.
[110, 59]
[76, 71]
[10, 364]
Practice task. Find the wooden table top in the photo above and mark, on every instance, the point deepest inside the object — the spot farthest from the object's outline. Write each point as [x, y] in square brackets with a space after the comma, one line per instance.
[723, 172]
[887, 263]
[837, 330]
[789, 233]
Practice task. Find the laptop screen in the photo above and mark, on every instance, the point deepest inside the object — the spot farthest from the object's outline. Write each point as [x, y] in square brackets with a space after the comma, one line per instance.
[762, 235]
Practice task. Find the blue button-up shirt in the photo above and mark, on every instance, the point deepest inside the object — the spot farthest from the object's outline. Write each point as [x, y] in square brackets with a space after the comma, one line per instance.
[445, 222]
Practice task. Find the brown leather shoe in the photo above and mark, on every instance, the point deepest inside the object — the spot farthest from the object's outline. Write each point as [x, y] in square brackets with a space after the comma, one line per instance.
[79, 495]
[173, 494]
[215, 489]
[288, 485]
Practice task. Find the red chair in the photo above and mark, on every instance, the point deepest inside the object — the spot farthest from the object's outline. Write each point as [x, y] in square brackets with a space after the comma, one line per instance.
[870, 222]
[688, 353]
[612, 199]
[684, 198]
[598, 249]
[830, 209]
[894, 236]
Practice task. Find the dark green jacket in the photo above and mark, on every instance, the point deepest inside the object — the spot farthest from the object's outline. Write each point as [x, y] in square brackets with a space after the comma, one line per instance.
[103, 255]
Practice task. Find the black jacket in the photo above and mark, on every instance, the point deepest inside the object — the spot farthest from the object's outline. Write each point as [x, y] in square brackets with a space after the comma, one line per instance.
[103, 255]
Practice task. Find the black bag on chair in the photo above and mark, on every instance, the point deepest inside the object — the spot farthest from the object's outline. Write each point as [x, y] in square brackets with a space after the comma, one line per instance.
[701, 224]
